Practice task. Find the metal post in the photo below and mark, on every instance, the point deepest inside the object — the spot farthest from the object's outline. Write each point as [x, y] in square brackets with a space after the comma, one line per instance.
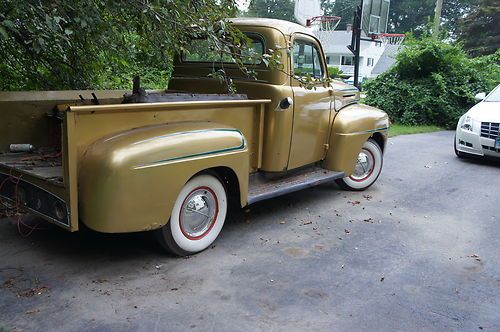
[357, 41]
[357, 31]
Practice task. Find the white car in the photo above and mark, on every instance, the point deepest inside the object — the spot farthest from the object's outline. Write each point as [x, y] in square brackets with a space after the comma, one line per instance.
[478, 130]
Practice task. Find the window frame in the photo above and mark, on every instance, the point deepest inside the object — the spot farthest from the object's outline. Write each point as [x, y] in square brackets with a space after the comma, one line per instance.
[314, 43]
[347, 57]
[251, 35]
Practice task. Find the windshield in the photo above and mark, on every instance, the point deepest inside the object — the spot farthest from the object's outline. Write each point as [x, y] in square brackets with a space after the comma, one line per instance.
[494, 95]
[201, 50]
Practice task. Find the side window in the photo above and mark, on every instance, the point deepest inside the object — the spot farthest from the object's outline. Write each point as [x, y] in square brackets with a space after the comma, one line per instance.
[306, 60]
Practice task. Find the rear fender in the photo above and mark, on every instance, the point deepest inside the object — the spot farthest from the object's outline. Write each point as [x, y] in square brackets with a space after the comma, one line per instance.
[129, 182]
[352, 126]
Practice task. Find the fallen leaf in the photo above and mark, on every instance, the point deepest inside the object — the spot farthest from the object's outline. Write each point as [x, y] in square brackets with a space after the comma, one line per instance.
[32, 311]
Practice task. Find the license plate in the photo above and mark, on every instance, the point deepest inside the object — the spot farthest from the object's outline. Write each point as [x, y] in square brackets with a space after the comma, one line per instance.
[497, 143]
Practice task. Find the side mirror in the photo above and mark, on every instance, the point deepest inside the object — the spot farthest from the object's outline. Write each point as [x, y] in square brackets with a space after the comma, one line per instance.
[480, 96]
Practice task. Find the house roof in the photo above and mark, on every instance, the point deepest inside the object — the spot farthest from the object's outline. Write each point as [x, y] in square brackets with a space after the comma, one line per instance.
[386, 61]
[339, 41]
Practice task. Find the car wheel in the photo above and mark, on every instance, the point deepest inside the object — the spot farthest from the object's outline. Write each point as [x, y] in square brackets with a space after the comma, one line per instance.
[367, 169]
[197, 217]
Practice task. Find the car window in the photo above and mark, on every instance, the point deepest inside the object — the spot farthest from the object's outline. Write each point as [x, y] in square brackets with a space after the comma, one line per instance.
[306, 59]
[201, 50]
[494, 95]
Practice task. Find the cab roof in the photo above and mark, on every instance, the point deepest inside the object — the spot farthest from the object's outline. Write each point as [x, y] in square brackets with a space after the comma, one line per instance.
[286, 27]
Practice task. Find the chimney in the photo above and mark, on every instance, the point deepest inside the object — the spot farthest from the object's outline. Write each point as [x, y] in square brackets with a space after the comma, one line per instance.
[348, 28]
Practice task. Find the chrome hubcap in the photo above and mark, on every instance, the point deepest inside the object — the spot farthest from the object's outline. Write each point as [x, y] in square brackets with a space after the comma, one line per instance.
[198, 213]
[364, 166]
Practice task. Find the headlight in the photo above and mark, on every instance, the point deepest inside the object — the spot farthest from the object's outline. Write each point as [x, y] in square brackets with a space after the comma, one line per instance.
[467, 124]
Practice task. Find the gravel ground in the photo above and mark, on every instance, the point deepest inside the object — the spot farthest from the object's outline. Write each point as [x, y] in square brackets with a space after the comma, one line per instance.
[419, 251]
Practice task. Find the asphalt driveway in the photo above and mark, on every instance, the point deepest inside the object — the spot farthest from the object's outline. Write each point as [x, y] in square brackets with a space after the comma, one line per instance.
[419, 251]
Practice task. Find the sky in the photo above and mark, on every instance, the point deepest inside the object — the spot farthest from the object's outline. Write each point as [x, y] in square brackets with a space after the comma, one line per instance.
[243, 4]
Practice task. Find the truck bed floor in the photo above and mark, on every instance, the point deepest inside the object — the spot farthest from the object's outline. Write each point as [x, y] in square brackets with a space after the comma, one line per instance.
[263, 187]
[43, 166]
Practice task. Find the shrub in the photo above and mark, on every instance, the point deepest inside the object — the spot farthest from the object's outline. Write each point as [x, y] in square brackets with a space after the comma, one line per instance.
[334, 72]
[433, 83]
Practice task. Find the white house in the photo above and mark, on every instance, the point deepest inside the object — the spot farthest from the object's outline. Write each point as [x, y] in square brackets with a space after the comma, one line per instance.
[375, 58]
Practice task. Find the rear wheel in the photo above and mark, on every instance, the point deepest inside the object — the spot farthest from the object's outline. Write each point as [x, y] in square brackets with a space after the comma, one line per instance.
[197, 217]
[367, 169]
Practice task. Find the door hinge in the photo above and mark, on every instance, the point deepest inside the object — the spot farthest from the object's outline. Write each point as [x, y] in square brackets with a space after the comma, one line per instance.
[327, 146]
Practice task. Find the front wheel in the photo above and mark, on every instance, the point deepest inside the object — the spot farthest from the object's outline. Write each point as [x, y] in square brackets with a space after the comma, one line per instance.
[197, 217]
[367, 169]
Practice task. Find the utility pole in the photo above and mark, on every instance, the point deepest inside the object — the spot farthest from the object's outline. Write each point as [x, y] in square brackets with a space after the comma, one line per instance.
[437, 18]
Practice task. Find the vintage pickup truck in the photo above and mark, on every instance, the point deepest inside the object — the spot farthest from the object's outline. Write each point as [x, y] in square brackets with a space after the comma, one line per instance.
[172, 161]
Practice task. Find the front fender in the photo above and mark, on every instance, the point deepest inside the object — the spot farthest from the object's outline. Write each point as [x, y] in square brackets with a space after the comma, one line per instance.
[129, 182]
[352, 126]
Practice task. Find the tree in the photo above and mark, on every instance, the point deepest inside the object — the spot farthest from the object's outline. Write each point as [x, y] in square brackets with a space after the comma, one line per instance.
[278, 9]
[343, 8]
[410, 15]
[76, 44]
[480, 29]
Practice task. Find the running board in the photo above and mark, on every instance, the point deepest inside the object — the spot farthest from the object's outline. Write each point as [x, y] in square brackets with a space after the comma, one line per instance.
[262, 187]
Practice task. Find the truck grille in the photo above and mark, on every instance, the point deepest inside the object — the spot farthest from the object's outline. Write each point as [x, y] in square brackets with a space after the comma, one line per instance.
[490, 130]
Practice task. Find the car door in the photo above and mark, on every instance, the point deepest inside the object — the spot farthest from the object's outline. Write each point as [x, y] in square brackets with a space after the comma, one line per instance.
[312, 107]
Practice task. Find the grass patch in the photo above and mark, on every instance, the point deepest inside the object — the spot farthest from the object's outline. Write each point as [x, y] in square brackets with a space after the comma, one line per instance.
[398, 129]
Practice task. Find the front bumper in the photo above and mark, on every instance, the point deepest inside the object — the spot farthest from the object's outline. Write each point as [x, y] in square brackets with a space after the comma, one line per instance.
[472, 143]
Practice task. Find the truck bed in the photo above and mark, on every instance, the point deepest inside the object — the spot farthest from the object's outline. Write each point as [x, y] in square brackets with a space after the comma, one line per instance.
[44, 166]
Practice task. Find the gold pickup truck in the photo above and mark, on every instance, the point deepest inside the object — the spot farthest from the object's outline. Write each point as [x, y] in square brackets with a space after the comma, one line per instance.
[172, 161]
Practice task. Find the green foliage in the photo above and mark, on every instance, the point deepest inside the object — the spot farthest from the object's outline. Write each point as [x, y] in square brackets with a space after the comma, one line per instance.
[406, 15]
[398, 129]
[94, 44]
[410, 15]
[278, 9]
[480, 29]
[334, 72]
[433, 82]
[343, 8]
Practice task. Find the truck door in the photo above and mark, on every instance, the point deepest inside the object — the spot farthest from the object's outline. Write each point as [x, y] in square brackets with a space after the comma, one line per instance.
[312, 107]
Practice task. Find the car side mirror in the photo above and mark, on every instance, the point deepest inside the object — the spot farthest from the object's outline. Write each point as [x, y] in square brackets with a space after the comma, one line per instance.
[480, 96]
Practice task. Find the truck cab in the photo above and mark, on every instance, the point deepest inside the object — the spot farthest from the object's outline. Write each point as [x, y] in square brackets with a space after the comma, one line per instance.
[302, 133]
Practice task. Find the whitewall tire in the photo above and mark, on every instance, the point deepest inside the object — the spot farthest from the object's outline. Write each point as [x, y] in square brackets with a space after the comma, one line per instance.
[367, 169]
[197, 216]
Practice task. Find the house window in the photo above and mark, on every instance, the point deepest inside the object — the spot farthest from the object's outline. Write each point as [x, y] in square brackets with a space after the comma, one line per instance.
[336, 60]
[369, 62]
[347, 60]
[306, 60]
[327, 60]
